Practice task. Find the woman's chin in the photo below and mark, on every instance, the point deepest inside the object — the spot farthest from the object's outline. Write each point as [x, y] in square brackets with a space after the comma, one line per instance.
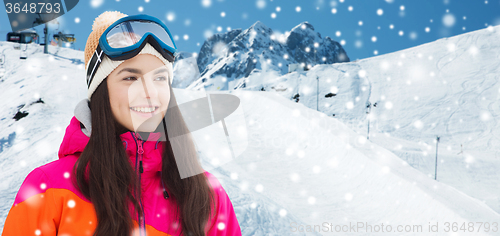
[146, 124]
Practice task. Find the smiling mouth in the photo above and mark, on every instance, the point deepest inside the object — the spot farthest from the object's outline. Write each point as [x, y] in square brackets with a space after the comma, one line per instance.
[145, 110]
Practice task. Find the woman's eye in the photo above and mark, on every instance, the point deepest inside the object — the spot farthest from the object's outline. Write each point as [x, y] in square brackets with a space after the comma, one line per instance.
[130, 78]
[161, 78]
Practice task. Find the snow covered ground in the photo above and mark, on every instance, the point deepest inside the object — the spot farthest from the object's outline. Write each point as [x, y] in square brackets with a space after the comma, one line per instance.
[301, 167]
[448, 88]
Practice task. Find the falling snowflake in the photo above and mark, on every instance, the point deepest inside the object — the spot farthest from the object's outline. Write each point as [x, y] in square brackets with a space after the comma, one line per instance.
[261, 4]
[234, 176]
[207, 33]
[448, 20]
[294, 177]
[362, 73]
[311, 200]
[348, 196]
[349, 105]
[388, 105]
[418, 124]
[413, 35]
[71, 203]
[282, 212]
[451, 47]
[96, 3]
[259, 188]
[358, 43]
[206, 3]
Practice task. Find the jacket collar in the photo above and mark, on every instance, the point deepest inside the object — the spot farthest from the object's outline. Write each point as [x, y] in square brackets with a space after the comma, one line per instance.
[78, 134]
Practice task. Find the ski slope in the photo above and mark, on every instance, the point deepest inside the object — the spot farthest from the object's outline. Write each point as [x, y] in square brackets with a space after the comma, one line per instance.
[448, 88]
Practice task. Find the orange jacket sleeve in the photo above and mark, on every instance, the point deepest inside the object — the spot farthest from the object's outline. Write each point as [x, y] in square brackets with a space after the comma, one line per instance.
[34, 211]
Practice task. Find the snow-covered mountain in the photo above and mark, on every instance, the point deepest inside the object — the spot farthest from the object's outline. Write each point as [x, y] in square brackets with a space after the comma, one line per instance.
[302, 168]
[225, 59]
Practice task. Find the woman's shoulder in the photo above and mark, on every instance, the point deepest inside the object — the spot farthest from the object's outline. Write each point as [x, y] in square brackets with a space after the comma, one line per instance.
[55, 175]
[215, 184]
[212, 180]
[59, 172]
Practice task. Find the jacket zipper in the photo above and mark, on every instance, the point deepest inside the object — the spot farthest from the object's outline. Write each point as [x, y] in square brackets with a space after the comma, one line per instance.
[139, 171]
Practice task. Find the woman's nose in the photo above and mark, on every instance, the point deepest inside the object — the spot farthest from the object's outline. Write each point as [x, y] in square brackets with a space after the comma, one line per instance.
[149, 88]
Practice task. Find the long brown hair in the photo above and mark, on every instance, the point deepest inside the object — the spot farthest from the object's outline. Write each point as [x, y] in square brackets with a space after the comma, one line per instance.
[105, 177]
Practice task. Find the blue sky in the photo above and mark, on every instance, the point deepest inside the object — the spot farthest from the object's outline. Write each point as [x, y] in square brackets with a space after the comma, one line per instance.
[362, 26]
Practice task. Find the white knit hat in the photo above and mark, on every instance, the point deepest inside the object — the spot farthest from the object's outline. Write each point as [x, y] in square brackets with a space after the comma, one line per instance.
[101, 23]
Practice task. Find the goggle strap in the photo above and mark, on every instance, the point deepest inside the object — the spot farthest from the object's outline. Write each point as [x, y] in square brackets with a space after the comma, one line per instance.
[95, 61]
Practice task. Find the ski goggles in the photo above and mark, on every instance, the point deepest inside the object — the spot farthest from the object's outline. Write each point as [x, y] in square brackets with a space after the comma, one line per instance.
[126, 37]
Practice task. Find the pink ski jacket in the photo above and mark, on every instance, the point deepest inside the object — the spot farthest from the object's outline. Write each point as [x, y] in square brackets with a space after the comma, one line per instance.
[47, 203]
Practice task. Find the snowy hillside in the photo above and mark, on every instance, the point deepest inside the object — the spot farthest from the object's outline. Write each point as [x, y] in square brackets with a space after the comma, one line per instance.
[302, 167]
[225, 59]
[448, 88]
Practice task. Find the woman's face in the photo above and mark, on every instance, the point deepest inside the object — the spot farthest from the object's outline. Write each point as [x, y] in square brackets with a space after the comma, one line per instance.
[139, 92]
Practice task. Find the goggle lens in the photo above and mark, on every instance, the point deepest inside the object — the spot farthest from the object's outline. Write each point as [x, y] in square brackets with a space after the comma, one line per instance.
[130, 32]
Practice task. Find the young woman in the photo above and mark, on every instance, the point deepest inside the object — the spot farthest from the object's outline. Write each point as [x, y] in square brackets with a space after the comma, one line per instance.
[127, 164]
